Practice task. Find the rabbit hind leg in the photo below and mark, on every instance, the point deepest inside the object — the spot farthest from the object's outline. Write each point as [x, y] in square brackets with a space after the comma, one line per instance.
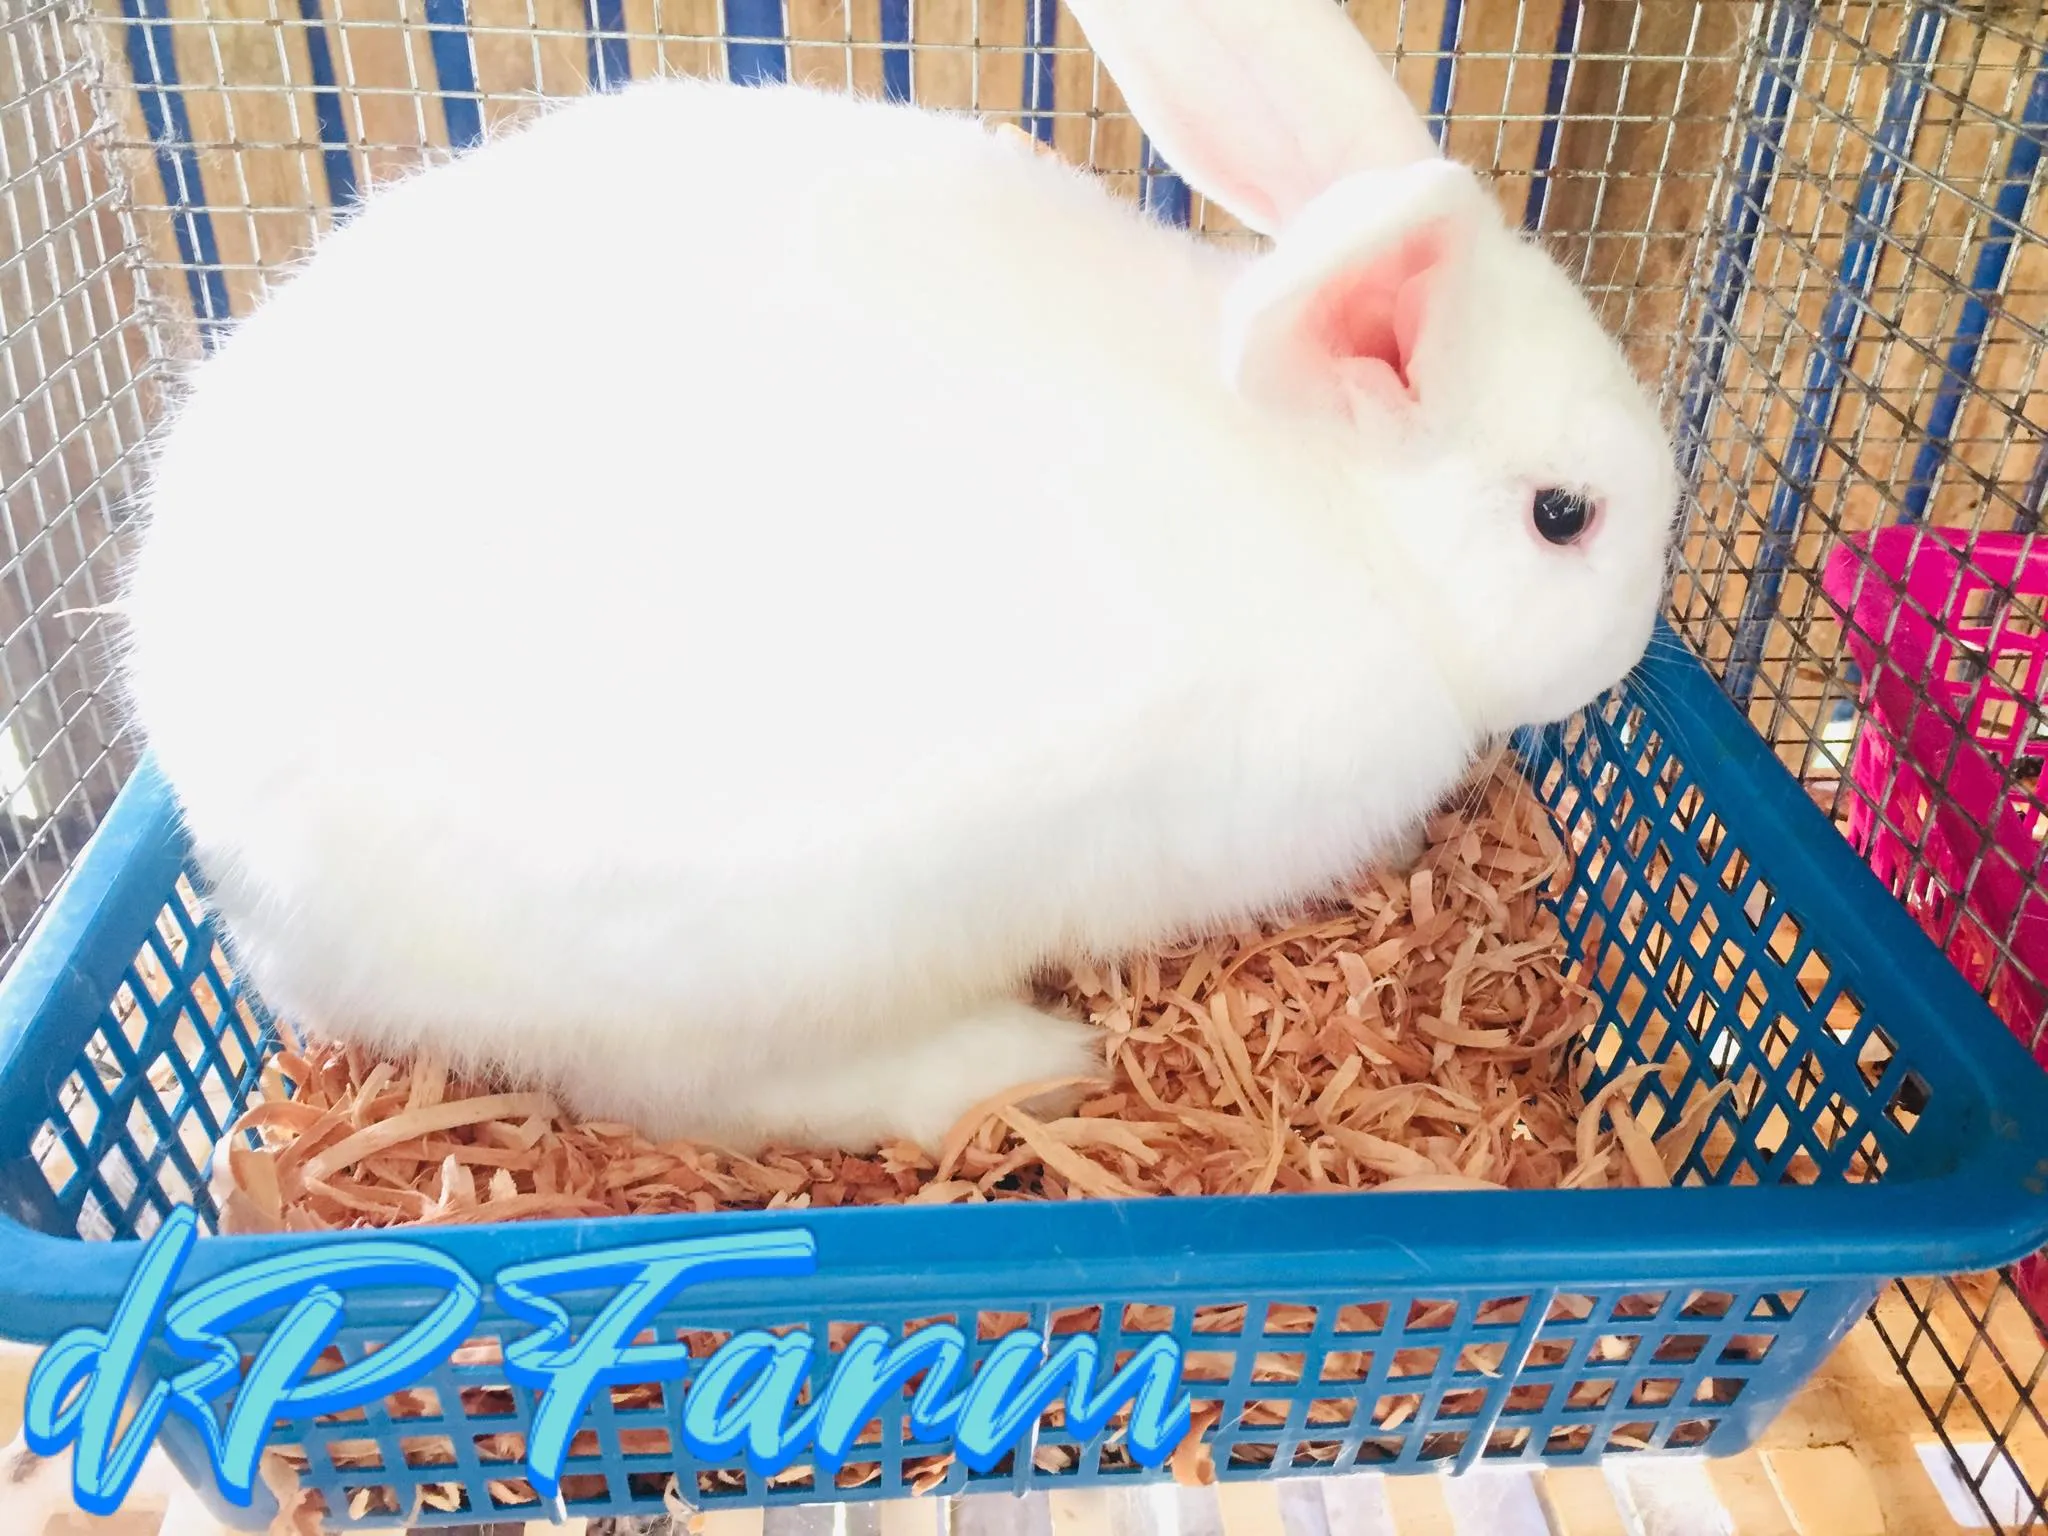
[917, 1089]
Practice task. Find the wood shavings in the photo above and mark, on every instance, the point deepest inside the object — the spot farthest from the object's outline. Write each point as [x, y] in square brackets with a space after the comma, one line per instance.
[1193, 1462]
[1415, 1032]
[300, 1510]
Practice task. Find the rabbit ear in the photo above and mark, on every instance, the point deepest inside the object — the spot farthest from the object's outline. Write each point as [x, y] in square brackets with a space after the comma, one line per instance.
[1364, 287]
[1259, 105]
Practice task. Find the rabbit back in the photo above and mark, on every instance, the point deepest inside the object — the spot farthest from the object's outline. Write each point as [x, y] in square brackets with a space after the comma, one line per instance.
[722, 571]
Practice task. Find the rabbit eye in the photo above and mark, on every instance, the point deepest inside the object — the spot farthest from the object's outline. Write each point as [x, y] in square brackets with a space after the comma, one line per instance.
[1562, 516]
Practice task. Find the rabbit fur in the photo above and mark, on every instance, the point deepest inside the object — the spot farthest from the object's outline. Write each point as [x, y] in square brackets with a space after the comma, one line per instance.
[691, 602]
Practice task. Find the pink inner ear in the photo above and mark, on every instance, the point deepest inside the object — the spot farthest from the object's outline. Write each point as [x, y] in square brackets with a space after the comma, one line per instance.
[1375, 313]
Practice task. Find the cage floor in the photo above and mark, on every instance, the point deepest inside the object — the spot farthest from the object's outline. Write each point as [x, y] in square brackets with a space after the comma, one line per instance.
[1853, 1456]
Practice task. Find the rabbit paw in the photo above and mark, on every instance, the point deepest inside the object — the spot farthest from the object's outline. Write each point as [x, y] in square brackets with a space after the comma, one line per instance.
[918, 1089]
[1003, 1046]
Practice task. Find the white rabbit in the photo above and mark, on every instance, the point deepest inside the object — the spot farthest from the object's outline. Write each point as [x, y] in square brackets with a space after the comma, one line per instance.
[693, 601]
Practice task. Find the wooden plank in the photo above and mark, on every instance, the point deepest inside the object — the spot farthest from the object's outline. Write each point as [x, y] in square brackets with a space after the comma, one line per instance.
[1886, 1430]
[16, 1362]
[1746, 1491]
[2012, 377]
[1081, 1512]
[1826, 1490]
[866, 27]
[1115, 145]
[1580, 1503]
[1303, 1510]
[732, 1522]
[124, 1522]
[1001, 28]
[673, 37]
[35, 1497]
[1405, 34]
[917, 1517]
[1498, 94]
[134, 159]
[1360, 1505]
[385, 74]
[820, 35]
[1666, 1495]
[524, 49]
[1250, 1509]
[1817, 1416]
[1197, 1511]
[1501, 1501]
[1940, 235]
[799, 1520]
[1417, 1506]
[1095, 127]
[942, 68]
[1001, 1514]
[242, 75]
[187, 1515]
[1650, 96]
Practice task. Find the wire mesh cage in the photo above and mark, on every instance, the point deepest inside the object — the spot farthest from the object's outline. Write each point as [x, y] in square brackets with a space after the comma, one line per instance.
[1864, 411]
[1817, 224]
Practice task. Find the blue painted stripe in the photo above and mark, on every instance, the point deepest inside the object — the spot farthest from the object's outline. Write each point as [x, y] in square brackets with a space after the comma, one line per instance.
[1039, 68]
[604, 48]
[455, 71]
[1756, 169]
[1164, 195]
[1443, 85]
[1553, 112]
[1828, 364]
[896, 49]
[154, 65]
[2033, 498]
[336, 158]
[756, 42]
[1993, 257]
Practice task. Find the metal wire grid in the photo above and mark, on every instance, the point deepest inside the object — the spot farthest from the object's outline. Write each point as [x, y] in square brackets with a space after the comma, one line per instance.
[267, 118]
[1873, 319]
[75, 362]
[1826, 399]
[1969, 1351]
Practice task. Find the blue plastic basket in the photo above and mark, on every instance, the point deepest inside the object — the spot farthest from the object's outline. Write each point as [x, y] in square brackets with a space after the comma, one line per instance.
[1882, 1122]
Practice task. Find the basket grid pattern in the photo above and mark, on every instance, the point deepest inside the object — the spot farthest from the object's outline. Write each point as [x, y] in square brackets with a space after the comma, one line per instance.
[1309, 1383]
[156, 1087]
[1691, 944]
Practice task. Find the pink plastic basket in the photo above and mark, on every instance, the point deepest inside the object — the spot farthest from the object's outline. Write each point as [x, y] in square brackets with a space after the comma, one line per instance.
[1954, 675]
[1948, 805]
